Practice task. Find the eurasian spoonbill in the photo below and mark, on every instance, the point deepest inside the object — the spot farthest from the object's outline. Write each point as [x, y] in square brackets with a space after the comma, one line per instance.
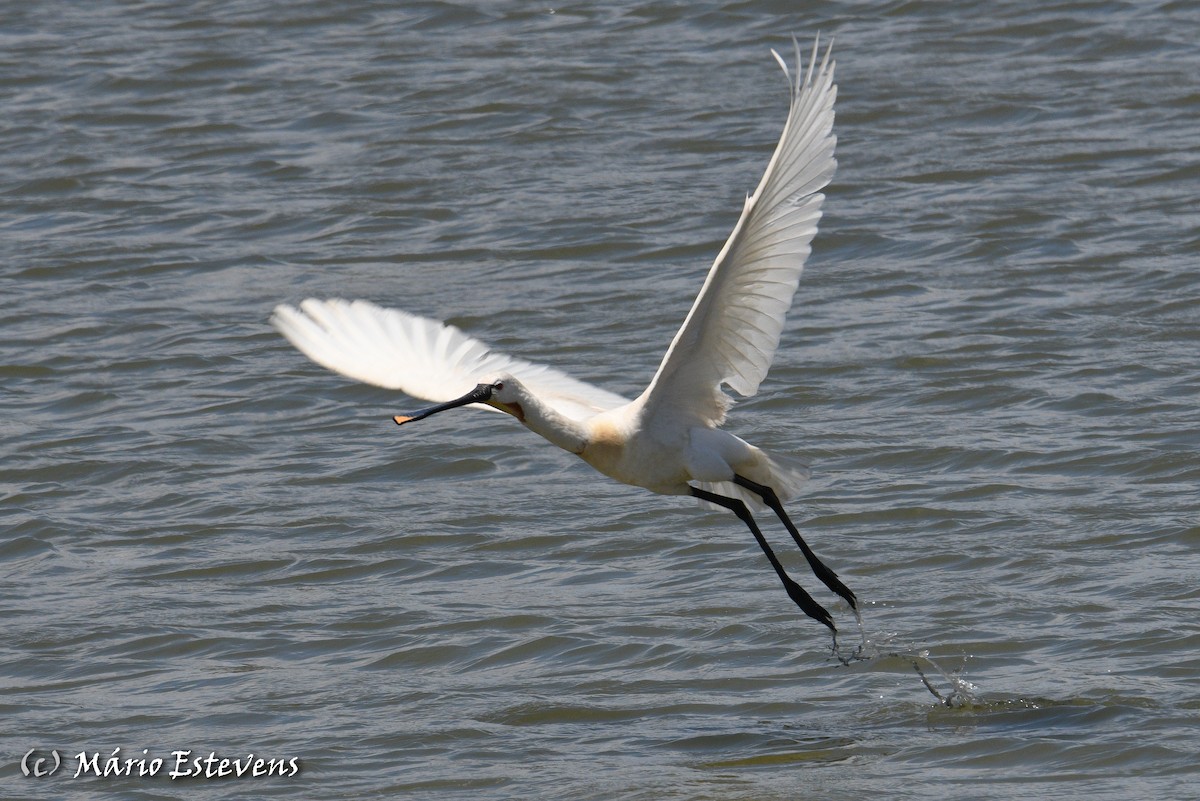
[668, 439]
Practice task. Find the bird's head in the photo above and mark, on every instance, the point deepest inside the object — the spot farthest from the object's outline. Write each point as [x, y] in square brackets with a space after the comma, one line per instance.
[500, 391]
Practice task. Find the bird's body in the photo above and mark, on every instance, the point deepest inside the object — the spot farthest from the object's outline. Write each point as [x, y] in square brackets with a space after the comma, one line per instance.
[621, 444]
[668, 439]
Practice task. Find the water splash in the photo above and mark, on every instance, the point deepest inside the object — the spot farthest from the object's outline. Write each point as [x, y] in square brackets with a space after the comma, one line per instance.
[959, 693]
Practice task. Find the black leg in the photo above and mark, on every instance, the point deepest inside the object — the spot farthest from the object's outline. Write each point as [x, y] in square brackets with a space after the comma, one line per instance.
[794, 590]
[819, 569]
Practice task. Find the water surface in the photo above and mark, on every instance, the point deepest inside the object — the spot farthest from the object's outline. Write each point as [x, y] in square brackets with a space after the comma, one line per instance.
[212, 544]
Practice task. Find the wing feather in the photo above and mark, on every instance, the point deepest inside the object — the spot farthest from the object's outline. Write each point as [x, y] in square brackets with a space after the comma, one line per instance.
[423, 358]
[733, 329]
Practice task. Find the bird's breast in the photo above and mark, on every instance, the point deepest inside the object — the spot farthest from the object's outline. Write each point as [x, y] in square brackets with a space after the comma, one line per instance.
[605, 443]
[631, 457]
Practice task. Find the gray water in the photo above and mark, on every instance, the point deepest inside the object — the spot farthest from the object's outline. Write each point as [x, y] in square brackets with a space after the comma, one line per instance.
[211, 544]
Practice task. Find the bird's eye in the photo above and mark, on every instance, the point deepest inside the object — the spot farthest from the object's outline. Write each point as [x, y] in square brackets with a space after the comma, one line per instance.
[498, 386]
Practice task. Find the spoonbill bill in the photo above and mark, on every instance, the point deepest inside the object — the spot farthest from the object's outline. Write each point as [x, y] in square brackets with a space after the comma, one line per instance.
[669, 439]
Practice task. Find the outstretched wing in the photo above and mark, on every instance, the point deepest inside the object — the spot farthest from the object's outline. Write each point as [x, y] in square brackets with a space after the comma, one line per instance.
[731, 333]
[422, 358]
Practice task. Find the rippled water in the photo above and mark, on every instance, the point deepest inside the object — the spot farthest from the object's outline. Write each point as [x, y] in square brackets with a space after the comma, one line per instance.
[213, 545]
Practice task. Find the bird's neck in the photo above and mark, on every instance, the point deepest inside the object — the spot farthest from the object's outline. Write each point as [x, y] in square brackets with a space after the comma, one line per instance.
[552, 426]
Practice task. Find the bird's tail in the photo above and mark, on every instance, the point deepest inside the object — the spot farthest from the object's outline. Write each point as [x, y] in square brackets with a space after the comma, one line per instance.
[784, 474]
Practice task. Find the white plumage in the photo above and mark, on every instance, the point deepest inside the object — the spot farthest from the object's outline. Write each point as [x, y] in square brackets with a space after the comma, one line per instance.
[423, 358]
[668, 439]
[731, 333]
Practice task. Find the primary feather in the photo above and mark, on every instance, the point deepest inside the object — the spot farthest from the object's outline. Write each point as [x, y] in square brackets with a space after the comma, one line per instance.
[733, 329]
[423, 358]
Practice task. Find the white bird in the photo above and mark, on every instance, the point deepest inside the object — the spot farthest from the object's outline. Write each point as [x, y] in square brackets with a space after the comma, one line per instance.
[668, 439]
